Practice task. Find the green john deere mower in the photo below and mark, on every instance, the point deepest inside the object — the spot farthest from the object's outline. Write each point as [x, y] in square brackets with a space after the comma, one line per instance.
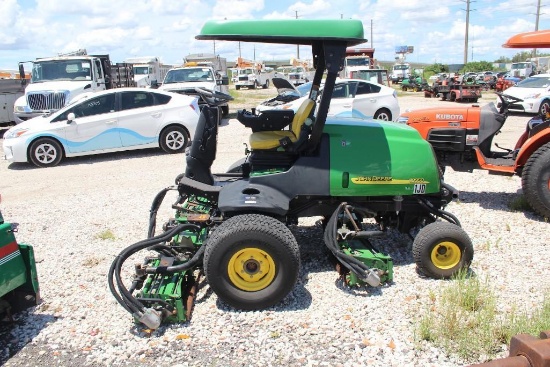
[232, 226]
[19, 287]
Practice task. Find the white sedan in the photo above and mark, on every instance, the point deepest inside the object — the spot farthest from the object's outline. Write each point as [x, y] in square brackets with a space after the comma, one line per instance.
[106, 121]
[535, 93]
[350, 98]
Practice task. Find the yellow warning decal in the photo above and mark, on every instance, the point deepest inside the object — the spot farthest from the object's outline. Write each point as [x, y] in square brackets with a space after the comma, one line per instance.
[386, 180]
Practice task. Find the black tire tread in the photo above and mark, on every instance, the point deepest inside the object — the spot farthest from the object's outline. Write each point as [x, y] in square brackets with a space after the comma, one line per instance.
[258, 223]
[533, 168]
[440, 230]
[42, 141]
[162, 138]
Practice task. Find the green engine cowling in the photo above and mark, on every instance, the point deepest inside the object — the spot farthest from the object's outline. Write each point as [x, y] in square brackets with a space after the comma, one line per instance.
[398, 162]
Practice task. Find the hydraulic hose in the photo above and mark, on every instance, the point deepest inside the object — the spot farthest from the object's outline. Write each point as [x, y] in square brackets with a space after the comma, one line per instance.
[330, 237]
[122, 295]
[157, 201]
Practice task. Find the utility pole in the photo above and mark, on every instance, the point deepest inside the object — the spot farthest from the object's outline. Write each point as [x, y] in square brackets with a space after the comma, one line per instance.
[536, 29]
[297, 46]
[466, 33]
[371, 44]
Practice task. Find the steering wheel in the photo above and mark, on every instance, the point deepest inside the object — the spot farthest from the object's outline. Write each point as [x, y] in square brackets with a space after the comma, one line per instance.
[213, 97]
[506, 100]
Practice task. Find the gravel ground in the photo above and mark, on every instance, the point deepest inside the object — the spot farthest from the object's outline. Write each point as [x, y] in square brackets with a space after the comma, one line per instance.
[63, 210]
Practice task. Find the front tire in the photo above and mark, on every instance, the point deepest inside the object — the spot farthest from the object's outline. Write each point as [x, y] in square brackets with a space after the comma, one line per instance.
[173, 139]
[442, 249]
[544, 108]
[535, 180]
[266, 85]
[45, 152]
[251, 261]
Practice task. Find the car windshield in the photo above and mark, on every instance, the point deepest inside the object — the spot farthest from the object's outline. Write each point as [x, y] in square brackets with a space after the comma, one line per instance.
[141, 70]
[246, 71]
[74, 69]
[535, 82]
[400, 67]
[520, 65]
[188, 75]
[357, 61]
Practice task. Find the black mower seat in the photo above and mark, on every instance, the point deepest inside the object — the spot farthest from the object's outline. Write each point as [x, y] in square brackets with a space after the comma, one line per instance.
[264, 140]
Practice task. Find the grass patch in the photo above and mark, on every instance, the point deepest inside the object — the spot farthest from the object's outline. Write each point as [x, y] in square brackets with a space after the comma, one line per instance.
[106, 235]
[519, 204]
[463, 320]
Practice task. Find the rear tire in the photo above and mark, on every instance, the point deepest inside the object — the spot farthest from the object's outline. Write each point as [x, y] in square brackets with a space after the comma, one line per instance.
[45, 152]
[173, 139]
[441, 249]
[535, 180]
[266, 85]
[251, 261]
[383, 114]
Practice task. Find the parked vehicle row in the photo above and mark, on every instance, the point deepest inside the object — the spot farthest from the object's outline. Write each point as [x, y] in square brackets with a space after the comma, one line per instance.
[350, 98]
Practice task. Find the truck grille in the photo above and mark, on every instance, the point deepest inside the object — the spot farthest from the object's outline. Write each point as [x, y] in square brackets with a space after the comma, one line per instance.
[47, 100]
[243, 78]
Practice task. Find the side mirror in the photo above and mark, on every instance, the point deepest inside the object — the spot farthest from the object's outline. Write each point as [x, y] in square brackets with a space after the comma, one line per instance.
[22, 74]
[70, 117]
[223, 81]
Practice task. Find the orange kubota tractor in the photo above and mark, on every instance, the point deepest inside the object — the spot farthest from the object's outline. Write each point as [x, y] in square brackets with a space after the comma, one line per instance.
[462, 137]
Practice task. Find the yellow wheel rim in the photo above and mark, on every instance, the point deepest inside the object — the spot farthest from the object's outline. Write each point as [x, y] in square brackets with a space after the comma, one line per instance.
[446, 255]
[251, 269]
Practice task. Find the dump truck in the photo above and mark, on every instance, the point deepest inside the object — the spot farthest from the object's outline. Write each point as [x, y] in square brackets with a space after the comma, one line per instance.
[55, 81]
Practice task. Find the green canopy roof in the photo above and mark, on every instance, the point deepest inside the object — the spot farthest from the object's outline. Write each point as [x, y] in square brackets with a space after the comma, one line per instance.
[290, 31]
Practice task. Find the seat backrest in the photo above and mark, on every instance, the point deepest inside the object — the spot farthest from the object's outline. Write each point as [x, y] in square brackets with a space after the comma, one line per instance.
[301, 115]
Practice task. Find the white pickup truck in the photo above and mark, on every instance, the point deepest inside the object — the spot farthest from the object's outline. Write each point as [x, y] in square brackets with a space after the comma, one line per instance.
[253, 77]
[148, 70]
[200, 70]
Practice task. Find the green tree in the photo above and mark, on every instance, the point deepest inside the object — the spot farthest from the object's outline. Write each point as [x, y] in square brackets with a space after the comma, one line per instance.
[477, 66]
[522, 56]
[503, 60]
[436, 68]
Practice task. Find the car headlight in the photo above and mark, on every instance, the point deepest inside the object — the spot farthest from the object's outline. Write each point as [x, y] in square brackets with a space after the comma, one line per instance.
[403, 119]
[15, 133]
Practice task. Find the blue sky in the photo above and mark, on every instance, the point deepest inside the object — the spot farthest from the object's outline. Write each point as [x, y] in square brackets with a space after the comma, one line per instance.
[166, 28]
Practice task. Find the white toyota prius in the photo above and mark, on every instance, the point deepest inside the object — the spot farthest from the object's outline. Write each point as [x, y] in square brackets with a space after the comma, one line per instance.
[103, 122]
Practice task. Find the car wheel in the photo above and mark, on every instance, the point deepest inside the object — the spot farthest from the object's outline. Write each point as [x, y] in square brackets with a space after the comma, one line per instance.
[535, 180]
[544, 108]
[225, 111]
[403, 88]
[383, 114]
[441, 249]
[266, 85]
[173, 139]
[45, 152]
[251, 261]
[237, 87]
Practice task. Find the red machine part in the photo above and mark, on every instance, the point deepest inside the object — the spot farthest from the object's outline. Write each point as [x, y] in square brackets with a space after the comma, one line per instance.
[525, 351]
